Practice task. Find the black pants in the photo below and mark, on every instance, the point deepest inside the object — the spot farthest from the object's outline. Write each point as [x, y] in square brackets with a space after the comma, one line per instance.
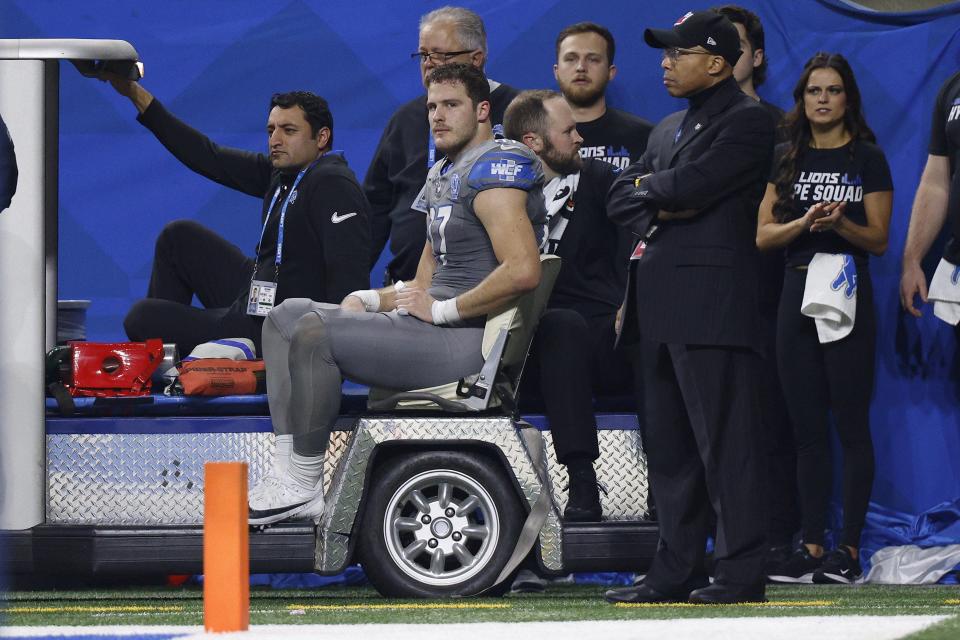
[780, 485]
[703, 449]
[572, 359]
[190, 260]
[820, 379]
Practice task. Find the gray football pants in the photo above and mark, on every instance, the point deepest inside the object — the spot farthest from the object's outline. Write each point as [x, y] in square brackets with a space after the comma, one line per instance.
[309, 347]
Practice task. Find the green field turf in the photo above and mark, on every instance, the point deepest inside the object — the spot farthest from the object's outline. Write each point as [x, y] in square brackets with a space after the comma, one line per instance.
[184, 606]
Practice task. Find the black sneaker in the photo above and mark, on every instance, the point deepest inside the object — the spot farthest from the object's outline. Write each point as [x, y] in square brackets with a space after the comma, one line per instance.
[798, 568]
[839, 567]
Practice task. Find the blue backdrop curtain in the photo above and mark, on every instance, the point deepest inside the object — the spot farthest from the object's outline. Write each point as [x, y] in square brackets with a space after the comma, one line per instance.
[215, 64]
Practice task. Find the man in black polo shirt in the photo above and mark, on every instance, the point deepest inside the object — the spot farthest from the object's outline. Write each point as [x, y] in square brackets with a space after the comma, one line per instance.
[937, 200]
[315, 240]
[584, 68]
[406, 150]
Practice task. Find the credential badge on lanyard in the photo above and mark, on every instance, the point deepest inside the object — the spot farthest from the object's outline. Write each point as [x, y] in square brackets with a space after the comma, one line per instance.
[263, 293]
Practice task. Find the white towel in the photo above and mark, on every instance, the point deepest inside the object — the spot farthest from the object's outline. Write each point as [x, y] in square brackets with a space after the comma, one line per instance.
[830, 295]
[945, 292]
[232, 348]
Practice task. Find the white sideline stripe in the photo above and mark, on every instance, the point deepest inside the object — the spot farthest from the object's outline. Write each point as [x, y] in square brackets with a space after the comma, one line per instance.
[772, 628]
[105, 630]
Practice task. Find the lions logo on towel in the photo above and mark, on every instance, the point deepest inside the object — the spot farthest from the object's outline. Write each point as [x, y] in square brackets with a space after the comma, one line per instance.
[955, 276]
[846, 277]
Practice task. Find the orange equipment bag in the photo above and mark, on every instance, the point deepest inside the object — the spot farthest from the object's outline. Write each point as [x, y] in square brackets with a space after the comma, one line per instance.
[222, 377]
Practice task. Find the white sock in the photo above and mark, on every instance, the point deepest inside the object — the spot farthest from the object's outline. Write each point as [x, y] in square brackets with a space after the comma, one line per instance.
[281, 453]
[306, 470]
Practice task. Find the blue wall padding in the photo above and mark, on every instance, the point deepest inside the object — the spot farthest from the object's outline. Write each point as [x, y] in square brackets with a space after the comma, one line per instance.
[215, 64]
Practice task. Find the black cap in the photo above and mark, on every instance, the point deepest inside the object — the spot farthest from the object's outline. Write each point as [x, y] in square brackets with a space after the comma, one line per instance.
[708, 29]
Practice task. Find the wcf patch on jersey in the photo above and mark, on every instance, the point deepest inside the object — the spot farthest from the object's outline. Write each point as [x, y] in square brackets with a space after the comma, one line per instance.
[506, 170]
[501, 169]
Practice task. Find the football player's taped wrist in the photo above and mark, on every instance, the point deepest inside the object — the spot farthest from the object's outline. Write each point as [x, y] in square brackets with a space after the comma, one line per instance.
[445, 311]
[369, 297]
[398, 287]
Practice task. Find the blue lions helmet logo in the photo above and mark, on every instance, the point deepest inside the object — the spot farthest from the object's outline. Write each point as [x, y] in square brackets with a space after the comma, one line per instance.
[846, 277]
[955, 276]
[455, 186]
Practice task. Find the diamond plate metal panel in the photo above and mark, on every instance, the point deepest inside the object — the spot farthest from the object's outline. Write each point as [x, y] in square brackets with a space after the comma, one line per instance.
[146, 479]
[347, 484]
[153, 479]
[621, 470]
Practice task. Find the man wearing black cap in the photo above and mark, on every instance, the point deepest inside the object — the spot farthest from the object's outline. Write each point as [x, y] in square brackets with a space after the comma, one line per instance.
[692, 201]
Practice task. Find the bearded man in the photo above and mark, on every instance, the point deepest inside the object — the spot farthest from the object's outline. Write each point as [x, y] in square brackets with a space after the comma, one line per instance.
[584, 68]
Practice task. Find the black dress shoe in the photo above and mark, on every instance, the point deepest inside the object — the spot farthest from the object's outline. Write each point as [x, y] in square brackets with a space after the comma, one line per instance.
[640, 594]
[583, 501]
[583, 514]
[724, 593]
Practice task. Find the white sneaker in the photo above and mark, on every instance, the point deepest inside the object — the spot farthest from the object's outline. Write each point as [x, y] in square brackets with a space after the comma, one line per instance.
[278, 467]
[256, 493]
[280, 497]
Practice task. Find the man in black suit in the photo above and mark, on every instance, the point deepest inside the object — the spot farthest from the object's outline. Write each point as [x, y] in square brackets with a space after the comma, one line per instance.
[692, 308]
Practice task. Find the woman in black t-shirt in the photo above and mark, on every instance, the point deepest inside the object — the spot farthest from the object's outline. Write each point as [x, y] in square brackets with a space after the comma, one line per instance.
[830, 192]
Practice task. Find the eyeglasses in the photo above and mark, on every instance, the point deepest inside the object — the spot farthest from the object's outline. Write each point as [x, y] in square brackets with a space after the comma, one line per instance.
[438, 57]
[673, 53]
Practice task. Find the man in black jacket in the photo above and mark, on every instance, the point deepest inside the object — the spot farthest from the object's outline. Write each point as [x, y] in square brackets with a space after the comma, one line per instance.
[406, 150]
[315, 240]
[692, 201]
[572, 353]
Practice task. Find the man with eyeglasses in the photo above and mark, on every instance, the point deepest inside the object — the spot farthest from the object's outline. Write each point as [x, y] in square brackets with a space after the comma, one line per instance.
[583, 69]
[406, 149]
[692, 311]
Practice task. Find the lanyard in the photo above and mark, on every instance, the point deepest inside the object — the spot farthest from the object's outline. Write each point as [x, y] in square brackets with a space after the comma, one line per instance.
[291, 197]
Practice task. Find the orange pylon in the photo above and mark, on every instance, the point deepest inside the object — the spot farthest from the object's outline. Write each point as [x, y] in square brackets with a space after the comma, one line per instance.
[226, 547]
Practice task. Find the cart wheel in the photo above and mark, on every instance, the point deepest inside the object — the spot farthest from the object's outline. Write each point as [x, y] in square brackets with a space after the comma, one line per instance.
[439, 523]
